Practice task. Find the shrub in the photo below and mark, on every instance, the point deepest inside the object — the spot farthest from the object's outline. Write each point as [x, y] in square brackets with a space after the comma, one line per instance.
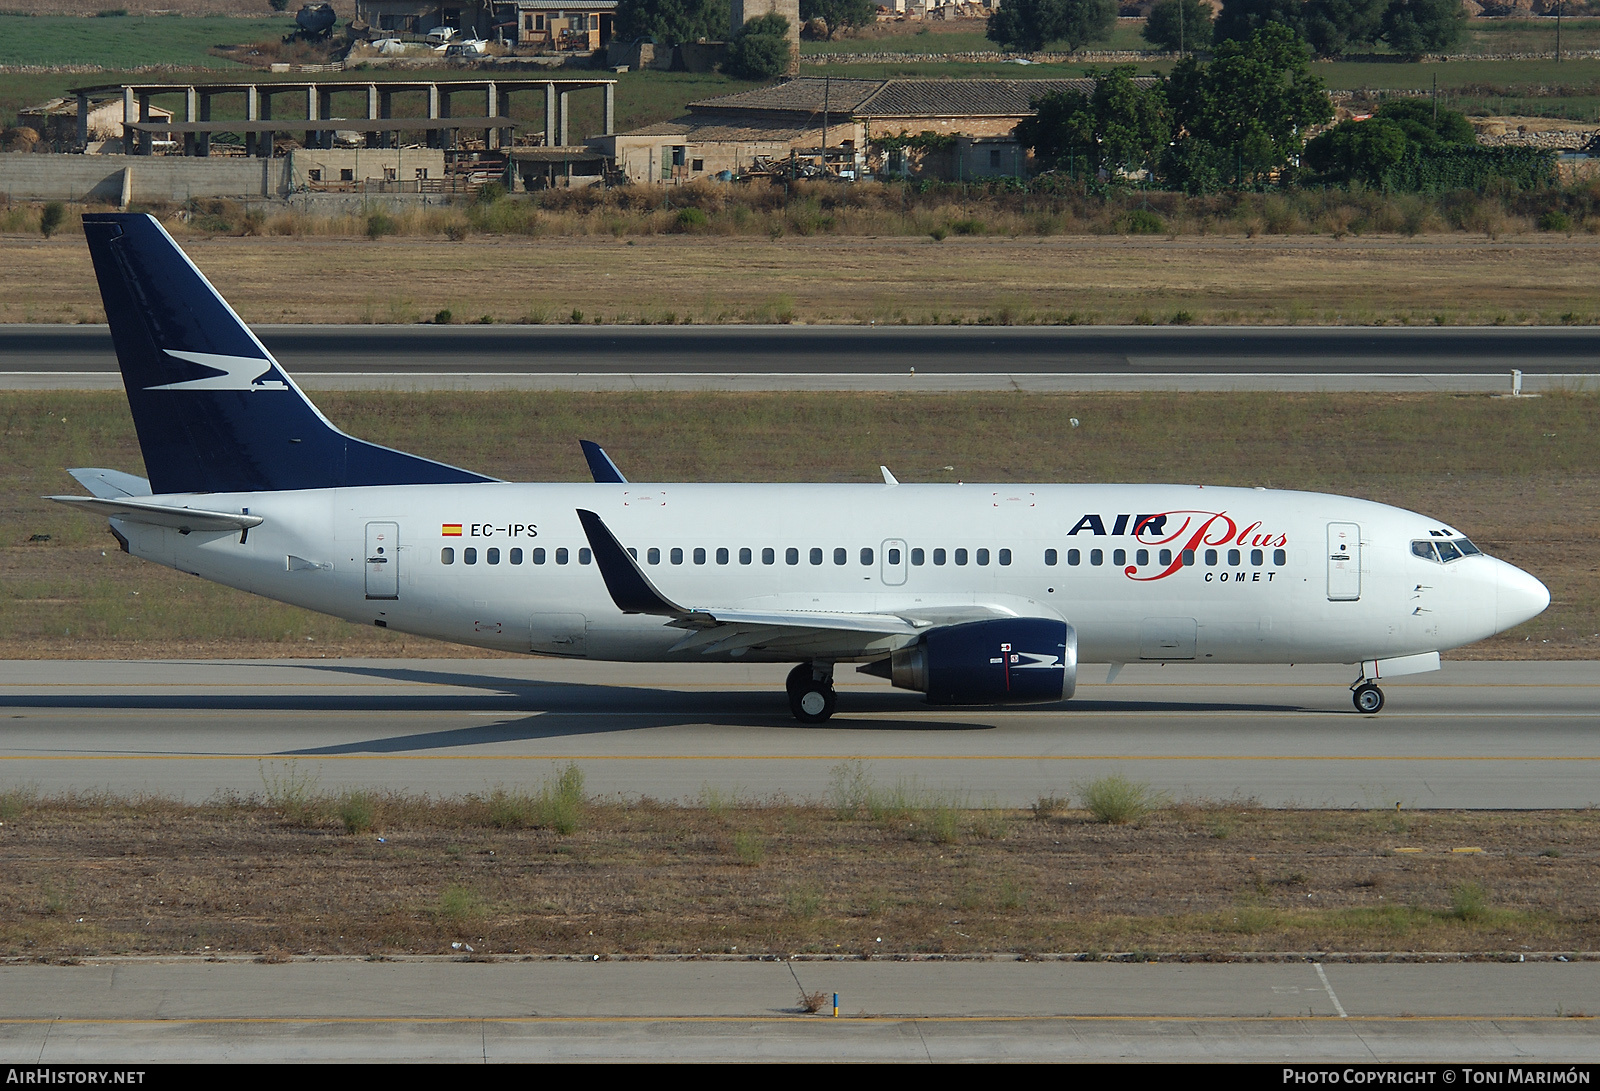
[443, 317]
[460, 905]
[1555, 220]
[380, 224]
[939, 234]
[750, 848]
[1141, 221]
[691, 218]
[51, 219]
[1115, 799]
[358, 811]
[760, 50]
[1469, 902]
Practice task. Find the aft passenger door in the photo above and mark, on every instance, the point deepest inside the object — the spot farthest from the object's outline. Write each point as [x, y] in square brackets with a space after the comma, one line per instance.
[893, 564]
[383, 560]
[1344, 562]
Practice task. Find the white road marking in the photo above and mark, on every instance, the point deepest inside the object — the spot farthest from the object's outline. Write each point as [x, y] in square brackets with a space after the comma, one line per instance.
[1338, 1007]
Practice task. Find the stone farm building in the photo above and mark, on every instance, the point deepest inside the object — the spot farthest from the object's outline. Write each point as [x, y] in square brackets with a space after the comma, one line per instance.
[799, 118]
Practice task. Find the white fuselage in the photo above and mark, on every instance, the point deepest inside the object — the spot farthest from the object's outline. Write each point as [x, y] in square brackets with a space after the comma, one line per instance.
[1277, 588]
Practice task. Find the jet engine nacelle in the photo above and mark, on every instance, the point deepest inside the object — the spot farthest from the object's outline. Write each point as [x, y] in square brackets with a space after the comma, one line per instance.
[1002, 661]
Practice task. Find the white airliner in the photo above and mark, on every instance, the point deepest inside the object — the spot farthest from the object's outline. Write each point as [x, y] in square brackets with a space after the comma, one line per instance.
[971, 594]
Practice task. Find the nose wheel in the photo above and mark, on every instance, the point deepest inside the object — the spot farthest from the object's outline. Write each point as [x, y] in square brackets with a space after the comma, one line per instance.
[1367, 698]
[811, 696]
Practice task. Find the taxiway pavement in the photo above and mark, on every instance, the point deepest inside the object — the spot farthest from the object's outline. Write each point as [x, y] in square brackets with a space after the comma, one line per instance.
[129, 1010]
[1474, 735]
[895, 358]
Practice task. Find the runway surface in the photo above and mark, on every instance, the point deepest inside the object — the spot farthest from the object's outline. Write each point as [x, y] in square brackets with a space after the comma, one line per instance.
[128, 1011]
[864, 357]
[1475, 735]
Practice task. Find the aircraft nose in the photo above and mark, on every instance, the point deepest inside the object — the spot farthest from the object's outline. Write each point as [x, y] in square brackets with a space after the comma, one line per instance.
[1518, 597]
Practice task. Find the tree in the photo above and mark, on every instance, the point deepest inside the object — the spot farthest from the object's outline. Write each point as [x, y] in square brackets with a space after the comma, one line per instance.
[839, 13]
[1242, 18]
[1332, 26]
[1358, 151]
[1415, 27]
[1118, 124]
[1254, 101]
[672, 21]
[760, 49]
[1028, 25]
[1179, 26]
[1426, 126]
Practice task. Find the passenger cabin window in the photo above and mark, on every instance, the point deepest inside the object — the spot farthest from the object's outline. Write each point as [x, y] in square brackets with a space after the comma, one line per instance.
[447, 556]
[1188, 557]
[961, 556]
[1142, 557]
[469, 555]
[1050, 557]
[492, 555]
[1097, 557]
[699, 554]
[938, 556]
[791, 556]
[866, 555]
[538, 555]
[1211, 557]
[840, 555]
[1280, 557]
[653, 555]
[744, 556]
[918, 557]
[768, 556]
[816, 555]
[1005, 556]
[722, 555]
[584, 556]
[676, 555]
[983, 556]
[1257, 557]
[1233, 558]
[516, 556]
[1164, 557]
[561, 555]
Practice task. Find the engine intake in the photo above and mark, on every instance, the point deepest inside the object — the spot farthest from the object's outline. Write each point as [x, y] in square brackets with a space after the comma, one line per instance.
[1001, 661]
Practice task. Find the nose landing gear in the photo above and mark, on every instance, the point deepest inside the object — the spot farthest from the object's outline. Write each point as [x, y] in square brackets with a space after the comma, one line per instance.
[1367, 697]
[811, 695]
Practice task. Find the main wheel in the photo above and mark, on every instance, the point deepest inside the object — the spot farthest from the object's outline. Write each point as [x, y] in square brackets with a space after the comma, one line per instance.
[1368, 698]
[813, 702]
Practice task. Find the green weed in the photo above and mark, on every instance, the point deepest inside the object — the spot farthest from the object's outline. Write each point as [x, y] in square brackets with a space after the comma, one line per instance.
[1116, 800]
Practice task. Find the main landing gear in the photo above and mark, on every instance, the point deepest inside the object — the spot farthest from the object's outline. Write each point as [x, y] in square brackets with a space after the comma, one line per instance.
[811, 696]
[1368, 698]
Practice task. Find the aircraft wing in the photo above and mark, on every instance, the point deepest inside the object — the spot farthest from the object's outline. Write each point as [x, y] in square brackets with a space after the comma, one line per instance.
[161, 515]
[800, 633]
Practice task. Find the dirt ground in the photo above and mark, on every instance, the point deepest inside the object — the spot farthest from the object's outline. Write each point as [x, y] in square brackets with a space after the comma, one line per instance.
[884, 878]
[1102, 279]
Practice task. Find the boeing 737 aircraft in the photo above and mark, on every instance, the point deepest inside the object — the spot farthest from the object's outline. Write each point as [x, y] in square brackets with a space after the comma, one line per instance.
[971, 594]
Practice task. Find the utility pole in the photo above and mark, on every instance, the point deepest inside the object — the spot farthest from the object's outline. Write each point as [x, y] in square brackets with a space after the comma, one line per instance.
[827, 87]
[1559, 7]
[1436, 101]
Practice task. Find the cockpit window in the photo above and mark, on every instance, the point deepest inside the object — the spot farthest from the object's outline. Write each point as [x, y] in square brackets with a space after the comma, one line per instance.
[1444, 551]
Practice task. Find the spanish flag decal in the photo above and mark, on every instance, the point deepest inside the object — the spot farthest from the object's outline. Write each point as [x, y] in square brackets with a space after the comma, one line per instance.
[451, 530]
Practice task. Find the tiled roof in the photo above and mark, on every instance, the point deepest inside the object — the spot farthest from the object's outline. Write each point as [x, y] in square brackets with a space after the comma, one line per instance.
[896, 98]
[962, 98]
[803, 95]
[723, 130]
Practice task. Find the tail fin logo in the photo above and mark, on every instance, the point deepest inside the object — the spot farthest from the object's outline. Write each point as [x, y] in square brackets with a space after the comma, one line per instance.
[238, 373]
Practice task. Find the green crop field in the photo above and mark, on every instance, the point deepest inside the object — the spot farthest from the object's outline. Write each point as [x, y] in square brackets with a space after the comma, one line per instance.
[130, 41]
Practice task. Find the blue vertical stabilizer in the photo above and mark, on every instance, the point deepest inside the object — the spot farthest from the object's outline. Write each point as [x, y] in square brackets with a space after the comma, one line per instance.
[214, 411]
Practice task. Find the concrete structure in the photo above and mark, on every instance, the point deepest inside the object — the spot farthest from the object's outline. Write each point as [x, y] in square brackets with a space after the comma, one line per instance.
[343, 169]
[813, 118]
[319, 104]
[57, 121]
[118, 179]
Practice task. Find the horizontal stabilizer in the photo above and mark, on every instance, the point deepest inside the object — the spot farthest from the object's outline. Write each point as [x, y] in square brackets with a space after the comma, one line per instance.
[161, 515]
[110, 484]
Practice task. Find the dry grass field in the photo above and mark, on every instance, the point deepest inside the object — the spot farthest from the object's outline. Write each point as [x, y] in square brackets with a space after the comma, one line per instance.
[1447, 279]
[1521, 477]
[872, 870]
